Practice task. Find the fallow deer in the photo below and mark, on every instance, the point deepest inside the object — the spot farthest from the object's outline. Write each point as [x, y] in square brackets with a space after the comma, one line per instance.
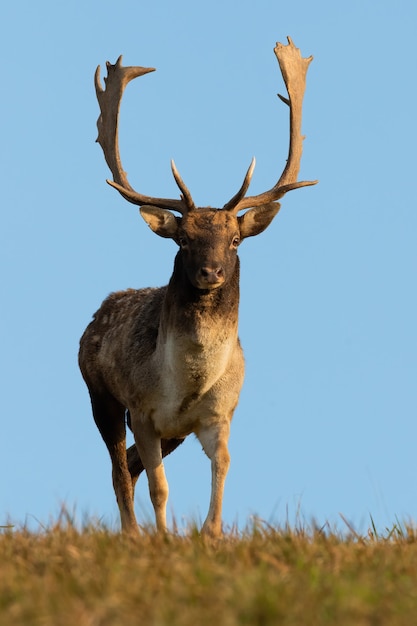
[168, 360]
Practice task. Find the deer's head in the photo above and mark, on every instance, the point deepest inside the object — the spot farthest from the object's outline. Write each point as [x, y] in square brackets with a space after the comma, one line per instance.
[208, 238]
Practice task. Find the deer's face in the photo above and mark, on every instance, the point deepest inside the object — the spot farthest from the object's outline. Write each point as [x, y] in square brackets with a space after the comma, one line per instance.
[209, 238]
[208, 241]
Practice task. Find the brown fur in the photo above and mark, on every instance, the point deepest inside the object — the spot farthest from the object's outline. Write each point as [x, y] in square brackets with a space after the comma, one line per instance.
[169, 360]
[171, 357]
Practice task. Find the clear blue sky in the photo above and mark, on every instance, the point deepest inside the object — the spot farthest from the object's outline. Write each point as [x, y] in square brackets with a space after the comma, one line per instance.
[327, 421]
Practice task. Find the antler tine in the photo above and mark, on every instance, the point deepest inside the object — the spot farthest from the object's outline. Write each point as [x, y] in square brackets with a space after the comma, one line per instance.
[185, 193]
[294, 71]
[233, 203]
[109, 100]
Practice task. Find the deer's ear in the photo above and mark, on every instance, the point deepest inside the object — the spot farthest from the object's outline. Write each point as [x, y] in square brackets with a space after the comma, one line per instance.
[256, 220]
[161, 221]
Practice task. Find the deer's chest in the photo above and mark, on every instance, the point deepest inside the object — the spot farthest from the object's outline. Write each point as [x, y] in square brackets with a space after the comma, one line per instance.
[193, 382]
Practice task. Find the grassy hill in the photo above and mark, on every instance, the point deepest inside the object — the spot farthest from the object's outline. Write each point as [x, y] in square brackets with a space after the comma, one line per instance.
[62, 576]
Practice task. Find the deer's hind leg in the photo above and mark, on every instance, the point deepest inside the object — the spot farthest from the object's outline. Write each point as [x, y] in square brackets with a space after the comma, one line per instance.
[109, 416]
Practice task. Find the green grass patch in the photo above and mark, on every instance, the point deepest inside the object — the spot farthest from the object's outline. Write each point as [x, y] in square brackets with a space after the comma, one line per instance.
[93, 576]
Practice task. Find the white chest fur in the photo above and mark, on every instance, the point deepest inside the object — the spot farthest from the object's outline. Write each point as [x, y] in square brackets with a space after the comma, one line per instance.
[188, 371]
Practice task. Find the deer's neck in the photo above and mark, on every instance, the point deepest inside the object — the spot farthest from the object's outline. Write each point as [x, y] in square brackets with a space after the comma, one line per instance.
[199, 314]
[197, 338]
[197, 345]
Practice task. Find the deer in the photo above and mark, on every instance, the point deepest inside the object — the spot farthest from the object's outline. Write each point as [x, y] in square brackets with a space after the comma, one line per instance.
[167, 361]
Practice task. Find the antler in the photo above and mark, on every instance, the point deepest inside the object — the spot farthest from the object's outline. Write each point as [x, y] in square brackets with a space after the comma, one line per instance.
[294, 70]
[109, 101]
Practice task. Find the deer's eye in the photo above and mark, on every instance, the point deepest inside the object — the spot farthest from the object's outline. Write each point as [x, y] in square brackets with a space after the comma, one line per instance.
[235, 242]
[183, 242]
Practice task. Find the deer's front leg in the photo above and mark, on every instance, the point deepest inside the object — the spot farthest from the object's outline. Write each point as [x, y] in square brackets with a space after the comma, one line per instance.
[214, 441]
[148, 444]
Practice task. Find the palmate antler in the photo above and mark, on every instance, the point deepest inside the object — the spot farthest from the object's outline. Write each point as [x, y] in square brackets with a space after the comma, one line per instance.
[294, 70]
[109, 101]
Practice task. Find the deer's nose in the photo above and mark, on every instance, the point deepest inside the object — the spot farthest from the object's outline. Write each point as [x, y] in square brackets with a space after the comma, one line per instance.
[212, 275]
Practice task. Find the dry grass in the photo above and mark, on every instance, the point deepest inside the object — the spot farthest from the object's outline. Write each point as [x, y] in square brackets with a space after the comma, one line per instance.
[61, 576]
